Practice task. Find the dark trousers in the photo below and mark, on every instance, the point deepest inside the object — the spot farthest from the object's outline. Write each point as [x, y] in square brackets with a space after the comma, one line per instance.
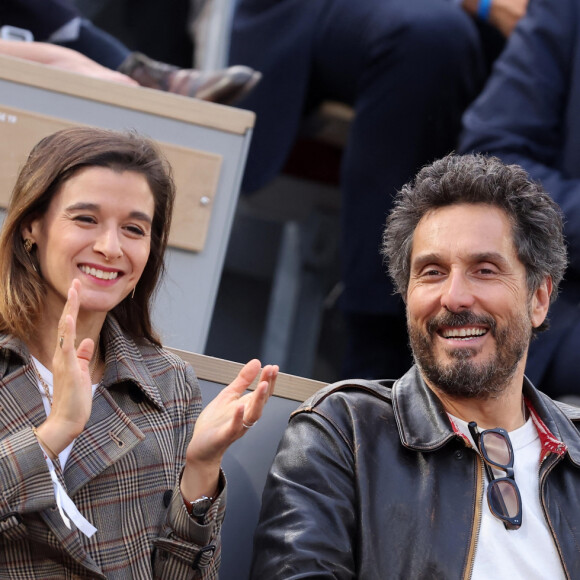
[408, 67]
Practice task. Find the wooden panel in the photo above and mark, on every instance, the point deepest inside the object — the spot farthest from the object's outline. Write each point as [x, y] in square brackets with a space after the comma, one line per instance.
[224, 372]
[196, 175]
[196, 172]
[211, 115]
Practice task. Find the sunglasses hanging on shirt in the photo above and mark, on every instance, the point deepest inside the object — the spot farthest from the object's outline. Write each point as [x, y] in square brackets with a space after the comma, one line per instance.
[503, 495]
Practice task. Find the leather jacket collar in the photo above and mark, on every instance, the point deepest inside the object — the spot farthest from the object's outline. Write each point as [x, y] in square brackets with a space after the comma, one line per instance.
[423, 424]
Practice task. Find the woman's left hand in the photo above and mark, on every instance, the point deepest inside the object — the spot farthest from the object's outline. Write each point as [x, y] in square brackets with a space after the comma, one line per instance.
[227, 418]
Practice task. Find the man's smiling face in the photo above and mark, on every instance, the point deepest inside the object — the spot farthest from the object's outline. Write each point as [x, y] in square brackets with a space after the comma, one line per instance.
[469, 311]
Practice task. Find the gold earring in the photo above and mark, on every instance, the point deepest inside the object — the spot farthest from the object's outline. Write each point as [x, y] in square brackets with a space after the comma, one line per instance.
[28, 245]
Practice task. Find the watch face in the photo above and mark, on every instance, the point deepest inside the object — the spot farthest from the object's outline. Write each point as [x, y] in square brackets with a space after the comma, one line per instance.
[200, 507]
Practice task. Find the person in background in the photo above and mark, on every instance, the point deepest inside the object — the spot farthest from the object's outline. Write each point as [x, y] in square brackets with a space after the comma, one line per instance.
[528, 114]
[60, 22]
[461, 468]
[409, 68]
[108, 467]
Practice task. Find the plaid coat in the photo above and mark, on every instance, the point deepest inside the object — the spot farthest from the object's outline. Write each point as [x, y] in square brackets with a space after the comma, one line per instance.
[123, 473]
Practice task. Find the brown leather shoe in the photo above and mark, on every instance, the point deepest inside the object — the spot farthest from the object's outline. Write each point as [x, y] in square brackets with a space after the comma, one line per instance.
[226, 86]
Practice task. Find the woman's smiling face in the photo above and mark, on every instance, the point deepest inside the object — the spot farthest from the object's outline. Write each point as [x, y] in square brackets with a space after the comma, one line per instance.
[98, 229]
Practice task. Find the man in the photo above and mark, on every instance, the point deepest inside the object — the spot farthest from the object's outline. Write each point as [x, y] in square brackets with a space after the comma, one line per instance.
[529, 114]
[386, 479]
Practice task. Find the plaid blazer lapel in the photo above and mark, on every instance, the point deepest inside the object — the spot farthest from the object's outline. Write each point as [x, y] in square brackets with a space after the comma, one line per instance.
[69, 539]
[108, 436]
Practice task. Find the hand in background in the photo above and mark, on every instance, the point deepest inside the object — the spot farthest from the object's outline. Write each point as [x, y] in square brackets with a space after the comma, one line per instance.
[503, 15]
[63, 58]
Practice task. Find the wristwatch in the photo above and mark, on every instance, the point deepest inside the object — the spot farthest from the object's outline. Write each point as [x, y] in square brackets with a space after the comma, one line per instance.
[198, 507]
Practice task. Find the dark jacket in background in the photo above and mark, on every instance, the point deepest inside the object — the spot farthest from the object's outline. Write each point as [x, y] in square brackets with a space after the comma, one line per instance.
[529, 114]
[408, 67]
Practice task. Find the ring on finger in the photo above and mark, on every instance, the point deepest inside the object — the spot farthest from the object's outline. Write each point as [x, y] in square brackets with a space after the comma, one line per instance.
[248, 425]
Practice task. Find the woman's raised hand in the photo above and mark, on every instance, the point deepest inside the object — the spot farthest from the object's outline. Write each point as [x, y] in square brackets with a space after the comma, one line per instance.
[72, 390]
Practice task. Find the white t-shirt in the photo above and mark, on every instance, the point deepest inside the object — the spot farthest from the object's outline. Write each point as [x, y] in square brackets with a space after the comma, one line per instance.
[530, 551]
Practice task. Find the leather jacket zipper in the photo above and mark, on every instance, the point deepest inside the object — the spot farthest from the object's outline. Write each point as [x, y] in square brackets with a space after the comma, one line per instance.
[480, 484]
[542, 477]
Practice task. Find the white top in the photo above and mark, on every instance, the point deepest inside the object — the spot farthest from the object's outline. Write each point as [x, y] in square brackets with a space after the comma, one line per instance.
[530, 551]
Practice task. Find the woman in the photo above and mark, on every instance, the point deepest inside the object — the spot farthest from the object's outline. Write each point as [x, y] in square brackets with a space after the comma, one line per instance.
[96, 419]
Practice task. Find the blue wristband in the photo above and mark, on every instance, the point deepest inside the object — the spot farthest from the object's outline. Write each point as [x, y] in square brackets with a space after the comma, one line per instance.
[483, 9]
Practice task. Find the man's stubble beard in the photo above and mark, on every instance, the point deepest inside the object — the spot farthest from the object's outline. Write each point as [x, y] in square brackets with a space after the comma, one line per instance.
[462, 377]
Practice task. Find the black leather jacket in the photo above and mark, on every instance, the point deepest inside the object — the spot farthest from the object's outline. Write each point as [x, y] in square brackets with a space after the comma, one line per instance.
[371, 482]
